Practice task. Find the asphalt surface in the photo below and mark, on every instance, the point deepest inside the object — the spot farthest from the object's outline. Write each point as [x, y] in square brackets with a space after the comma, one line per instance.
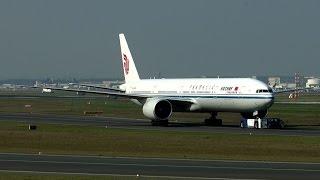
[153, 167]
[156, 167]
[113, 122]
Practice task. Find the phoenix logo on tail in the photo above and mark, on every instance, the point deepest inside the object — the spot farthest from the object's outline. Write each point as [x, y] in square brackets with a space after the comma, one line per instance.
[125, 64]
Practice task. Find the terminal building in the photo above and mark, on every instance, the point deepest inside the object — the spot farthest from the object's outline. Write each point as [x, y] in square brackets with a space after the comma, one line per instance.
[273, 81]
[313, 83]
[297, 82]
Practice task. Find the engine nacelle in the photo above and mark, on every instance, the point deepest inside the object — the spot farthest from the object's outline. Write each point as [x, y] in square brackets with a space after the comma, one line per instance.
[157, 109]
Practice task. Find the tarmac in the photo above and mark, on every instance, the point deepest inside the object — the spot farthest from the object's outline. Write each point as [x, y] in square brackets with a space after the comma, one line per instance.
[144, 124]
[152, 167]
[156, 167]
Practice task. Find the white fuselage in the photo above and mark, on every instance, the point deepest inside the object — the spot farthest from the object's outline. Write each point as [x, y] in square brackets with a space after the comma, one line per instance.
[208, 94]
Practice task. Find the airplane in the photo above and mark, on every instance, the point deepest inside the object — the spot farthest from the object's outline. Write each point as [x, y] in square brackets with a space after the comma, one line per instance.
[159, 98]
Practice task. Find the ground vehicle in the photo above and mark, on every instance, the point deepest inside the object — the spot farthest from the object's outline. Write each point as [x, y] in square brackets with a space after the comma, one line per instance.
[274, 123]
[266, 123]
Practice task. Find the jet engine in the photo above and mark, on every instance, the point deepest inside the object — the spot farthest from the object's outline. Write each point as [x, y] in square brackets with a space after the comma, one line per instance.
[157, 109]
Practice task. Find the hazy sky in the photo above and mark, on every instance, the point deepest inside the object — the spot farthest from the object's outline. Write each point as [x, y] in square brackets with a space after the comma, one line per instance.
[179, 38]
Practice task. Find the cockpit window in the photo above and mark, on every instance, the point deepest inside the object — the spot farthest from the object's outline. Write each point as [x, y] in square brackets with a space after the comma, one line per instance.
[264, 91]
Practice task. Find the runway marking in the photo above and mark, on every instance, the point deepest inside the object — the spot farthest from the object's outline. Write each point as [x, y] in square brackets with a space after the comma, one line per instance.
[165, 159]
[159, 165]
[120, 175]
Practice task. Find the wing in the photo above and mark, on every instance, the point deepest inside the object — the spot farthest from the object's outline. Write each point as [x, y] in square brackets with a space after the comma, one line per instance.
[179, 104]
[98, 87]
[183, 104]
[119, 94]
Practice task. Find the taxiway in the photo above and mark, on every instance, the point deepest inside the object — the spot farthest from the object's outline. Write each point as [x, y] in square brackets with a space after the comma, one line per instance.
[112, 122]
[156, 167]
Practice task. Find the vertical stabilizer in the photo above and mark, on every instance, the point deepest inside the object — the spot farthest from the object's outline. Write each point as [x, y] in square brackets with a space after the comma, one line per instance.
[129, 68]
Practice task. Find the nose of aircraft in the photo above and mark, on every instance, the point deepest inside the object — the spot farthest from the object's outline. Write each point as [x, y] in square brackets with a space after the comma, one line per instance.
[270, 101]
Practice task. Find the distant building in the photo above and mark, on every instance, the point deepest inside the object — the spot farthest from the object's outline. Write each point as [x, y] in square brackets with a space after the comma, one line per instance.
[274, 81]
[291, 85]
[7, 86]
[313, 82]
[113, 84]
[286, 86]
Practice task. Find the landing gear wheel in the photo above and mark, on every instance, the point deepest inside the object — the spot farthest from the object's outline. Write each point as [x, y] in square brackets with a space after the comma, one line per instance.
[159, 123]
[213, 121]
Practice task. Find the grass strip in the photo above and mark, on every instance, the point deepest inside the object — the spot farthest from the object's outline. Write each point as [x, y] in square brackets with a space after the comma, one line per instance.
[87, 140]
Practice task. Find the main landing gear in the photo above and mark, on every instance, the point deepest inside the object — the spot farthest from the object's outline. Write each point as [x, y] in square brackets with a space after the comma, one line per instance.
[213, 121]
